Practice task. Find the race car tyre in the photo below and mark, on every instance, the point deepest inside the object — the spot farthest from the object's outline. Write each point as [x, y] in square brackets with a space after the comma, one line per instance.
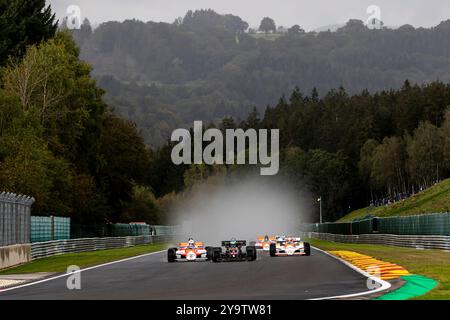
[251, 253]
[273, 250]
[171, 254]
[209, 253]
[216, 254]
[307, 247]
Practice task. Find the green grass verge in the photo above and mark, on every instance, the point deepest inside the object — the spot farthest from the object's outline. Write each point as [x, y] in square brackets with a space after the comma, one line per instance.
[432, 200]
[434, 264]
[59, 263]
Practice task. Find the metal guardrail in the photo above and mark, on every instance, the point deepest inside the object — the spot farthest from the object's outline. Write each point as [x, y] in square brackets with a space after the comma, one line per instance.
[410, 241]
[50, 248]
[431, 224]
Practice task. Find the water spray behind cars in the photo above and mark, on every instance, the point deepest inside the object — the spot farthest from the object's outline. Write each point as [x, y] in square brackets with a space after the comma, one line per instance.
[242, 209]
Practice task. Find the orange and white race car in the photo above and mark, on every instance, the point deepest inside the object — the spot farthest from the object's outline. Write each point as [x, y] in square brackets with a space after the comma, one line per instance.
[289, 246]
[263, 243]
[189, 251]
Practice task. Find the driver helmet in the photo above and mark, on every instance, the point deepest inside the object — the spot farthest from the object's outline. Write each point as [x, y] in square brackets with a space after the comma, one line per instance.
[233, 241]
[191, 242]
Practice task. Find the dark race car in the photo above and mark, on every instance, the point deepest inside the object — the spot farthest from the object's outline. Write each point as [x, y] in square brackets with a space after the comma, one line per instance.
[234, 252]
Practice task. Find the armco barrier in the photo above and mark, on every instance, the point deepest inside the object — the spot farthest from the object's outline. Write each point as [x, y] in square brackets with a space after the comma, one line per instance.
[49, 248]
[417, 242]
[78, 231]
[433, 224]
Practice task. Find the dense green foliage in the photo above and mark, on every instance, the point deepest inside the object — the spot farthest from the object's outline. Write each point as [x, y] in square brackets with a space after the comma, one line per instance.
[354, 149]
[62, 144]
[351, 150]
[23, 23]
[203, 67]
[59, 142]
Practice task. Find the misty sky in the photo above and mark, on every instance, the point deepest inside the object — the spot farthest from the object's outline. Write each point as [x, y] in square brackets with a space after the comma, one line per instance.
[309, 14]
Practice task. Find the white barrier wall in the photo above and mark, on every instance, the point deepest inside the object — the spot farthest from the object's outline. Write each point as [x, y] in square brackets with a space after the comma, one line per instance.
[14, 255]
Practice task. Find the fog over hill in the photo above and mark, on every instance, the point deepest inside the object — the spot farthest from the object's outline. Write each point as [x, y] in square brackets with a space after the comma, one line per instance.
[205, 67]
[310, 14]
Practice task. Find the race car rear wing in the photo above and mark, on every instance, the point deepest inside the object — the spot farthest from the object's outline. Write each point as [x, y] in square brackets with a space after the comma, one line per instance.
[196, 244]
[238, 243]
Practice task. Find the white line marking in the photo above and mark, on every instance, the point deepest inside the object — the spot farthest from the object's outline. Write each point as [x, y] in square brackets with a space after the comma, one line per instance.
[86, 269]
[384, 284]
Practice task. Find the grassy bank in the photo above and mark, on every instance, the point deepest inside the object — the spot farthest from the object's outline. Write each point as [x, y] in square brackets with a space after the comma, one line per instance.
[434, 199]
[430, 263]
[59, 263]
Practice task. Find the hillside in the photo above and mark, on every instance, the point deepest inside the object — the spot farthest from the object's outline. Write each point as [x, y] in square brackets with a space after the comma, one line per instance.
[432, 200]
[340, 145]
[206, 67]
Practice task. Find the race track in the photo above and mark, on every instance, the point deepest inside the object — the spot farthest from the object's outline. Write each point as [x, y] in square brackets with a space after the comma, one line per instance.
[151, 277]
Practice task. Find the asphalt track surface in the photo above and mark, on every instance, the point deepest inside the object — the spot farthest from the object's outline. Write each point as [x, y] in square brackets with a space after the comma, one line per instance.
[152, 277]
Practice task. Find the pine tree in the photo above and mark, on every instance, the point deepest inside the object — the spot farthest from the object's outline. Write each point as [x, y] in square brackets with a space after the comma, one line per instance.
[23, 23]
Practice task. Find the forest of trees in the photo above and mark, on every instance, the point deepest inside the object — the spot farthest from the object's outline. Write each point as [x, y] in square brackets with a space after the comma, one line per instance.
[350, 150]
[354, 149]
[204, 67]
[59, 141]
[64, 144]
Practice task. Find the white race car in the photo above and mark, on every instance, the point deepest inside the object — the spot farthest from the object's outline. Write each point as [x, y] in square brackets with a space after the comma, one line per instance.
[189, 251]
[289, 246]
